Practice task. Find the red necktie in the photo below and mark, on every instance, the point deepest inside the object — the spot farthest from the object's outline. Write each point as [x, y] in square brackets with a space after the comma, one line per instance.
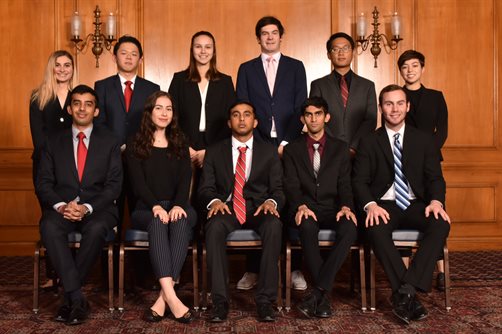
[345, 90]
[240, 180]
[128, 94]
[81, 155]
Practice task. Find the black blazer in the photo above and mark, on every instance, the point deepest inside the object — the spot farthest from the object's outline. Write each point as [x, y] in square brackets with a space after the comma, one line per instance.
[111, 103]
[430, 115]
[290, 91]
[359, 118]
[102, 178]
[331, 190]
[265, 178]
[220, 96]
[373, 172]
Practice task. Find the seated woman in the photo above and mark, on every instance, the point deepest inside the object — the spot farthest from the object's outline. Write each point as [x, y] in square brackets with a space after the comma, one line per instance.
[159, 167]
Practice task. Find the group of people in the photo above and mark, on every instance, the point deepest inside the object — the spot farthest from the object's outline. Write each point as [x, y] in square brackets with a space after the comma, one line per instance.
[250, 164]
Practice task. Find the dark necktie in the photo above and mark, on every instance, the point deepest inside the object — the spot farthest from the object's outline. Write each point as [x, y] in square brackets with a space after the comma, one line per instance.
[240, 180]
[345, 90]
[128, 94]
[81, 155]
[400, 182]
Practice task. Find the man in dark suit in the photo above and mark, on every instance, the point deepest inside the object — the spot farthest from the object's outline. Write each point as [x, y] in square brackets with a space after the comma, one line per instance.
[317, 185]
[397, 179]
[351, 98]
[277, 86]
[241, 187]
[79, 180]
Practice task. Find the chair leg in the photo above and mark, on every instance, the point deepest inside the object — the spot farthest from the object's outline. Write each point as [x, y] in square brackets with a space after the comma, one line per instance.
[362, 277]
[36, 276]
[204, 277]
[195, 276]
[288, 276]
[121, 278]
[372, 280]
[110, 277]
[447, 278]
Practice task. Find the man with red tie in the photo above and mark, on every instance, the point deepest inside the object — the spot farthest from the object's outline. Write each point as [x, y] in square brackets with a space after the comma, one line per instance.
[241, 188]
[80, 178]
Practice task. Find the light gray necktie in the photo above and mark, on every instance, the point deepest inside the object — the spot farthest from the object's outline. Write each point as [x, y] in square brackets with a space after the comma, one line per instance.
[316, 159]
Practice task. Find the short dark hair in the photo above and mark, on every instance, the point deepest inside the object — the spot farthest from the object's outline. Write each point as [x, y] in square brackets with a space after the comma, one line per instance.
[128, 39]
[410, 54]
[83, 89]
[239, 102]
[391, 88]
[265, 21]
[315, 101]
[340, 35]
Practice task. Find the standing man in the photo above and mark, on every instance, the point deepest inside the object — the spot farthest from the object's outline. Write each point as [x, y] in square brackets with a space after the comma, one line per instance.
[277, 86]
[317, 185]
[351, 98]
[397, 179]
[241, 187]
[79, 180]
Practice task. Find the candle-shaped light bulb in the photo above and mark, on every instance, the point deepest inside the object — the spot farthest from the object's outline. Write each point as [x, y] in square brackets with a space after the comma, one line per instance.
[361, 26]
[395, 24]
[111, 25]
[76, 25]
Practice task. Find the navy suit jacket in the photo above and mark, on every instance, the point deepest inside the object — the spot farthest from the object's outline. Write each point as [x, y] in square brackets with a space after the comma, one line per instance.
[102, 178]
[264, 182]
[373, 172]
[112, 112]
[290, 91]
[360, 116]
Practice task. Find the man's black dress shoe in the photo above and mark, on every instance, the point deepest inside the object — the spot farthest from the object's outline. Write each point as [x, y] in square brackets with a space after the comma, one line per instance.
[308, 306]
[186, 318]
[79, 312]
[63, 312]
[402, 306]
[265, 312]
[418, 310]
[219, 312]
[323, 309]
[440, 282]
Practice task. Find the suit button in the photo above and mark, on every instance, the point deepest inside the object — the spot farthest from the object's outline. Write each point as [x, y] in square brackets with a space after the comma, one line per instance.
[317, 184]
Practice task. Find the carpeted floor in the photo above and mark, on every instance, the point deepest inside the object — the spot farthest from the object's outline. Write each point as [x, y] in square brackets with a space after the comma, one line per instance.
[476, 305]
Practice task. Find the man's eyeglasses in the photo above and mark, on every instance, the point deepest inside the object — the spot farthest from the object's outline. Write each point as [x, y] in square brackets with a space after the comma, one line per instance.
[345, 49]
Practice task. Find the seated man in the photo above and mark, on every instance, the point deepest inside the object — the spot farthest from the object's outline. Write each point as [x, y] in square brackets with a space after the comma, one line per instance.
[79, 180]
[241, 186]
[397, 179]
[317, 186]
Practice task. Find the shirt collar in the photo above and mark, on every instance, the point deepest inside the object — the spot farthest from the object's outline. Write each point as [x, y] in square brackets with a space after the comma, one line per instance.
[236, 144]
[276, 56]
[391, 133]
[321, 141]
[123, 80]
[87, 131]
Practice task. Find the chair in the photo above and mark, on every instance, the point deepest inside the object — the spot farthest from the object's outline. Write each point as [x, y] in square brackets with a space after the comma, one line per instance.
[410, 239]
[74, 239]
[245, 239]
[138, 240]
[326, 239]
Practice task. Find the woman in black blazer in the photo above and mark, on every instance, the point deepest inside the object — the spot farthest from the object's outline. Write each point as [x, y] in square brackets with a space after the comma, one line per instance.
[160, 174]
[203, 96]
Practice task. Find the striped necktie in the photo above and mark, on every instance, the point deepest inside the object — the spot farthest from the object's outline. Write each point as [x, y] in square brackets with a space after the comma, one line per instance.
[316, 160]
[344, 88]
[240, 180]
[400, 182]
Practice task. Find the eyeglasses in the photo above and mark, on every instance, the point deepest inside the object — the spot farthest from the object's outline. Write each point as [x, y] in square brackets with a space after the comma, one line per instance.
[345, 49]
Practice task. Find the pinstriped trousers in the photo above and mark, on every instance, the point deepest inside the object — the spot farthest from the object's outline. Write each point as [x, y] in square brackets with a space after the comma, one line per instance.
[168, 242]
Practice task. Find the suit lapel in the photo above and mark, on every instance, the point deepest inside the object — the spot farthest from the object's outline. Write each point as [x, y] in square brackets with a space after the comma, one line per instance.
[335, 87]
[305, 158]
[117, 87]
[383, 141]
[281, 72]
[70, 154]
[226, 156]
[260, 72]
[326, 155]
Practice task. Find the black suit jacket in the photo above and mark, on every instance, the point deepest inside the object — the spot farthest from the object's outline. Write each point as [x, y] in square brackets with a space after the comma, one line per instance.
[220, 96]
[360, 116]
[112, 112]
[430, 115]
[265, 178]
[102, 178]
[331, 190]
[290, 91]
[373, 172]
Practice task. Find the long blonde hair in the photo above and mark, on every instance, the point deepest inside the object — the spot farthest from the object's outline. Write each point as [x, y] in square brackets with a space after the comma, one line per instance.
[47, 90]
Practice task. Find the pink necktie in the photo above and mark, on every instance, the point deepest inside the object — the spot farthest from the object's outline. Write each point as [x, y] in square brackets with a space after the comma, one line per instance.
[240, 180]
[81, 155]
[128, 94]
[271, 74]
[345, 90]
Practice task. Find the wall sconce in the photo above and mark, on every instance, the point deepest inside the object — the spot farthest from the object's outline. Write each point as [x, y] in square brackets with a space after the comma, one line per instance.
[375, 38]
[98, 39]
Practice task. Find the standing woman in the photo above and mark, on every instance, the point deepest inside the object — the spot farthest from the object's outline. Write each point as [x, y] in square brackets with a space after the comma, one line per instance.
[203, 96]
[160, 172]
[48, 102]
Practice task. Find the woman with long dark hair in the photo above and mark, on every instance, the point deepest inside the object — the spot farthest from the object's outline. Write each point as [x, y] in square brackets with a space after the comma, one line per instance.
[160, 172]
